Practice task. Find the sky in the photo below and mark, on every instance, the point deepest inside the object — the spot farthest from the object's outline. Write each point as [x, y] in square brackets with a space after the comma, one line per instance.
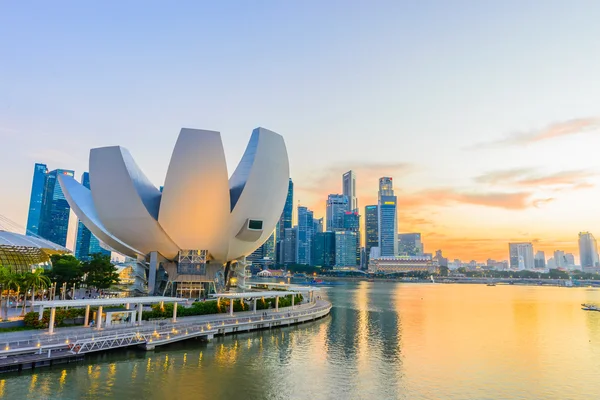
[485, 113]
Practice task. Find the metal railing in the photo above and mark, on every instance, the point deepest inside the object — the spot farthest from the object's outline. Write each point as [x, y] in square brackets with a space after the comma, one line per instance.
[58, 339]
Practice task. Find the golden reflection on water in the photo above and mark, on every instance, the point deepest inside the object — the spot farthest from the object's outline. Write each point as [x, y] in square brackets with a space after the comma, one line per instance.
[382, 341]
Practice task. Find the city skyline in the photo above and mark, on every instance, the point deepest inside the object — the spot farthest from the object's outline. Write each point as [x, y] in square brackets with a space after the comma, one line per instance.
[483, 151]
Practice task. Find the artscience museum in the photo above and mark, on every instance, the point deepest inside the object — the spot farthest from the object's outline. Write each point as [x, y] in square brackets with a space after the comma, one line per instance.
[193, 236]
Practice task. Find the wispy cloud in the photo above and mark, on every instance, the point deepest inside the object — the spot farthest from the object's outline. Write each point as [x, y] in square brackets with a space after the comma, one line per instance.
[531, 178]
[448, 196]
[554, 130]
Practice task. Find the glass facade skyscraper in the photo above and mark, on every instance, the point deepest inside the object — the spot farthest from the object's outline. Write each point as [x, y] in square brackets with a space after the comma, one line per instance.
[323, 249]
[588, 250]
[371, 229]
[87, 243]
[352, 224]
[345, 249]
[37, 199]
[285, 222]
[54, 219]
[388, 219]
[349, 190]
[337, 206]
[305, 235]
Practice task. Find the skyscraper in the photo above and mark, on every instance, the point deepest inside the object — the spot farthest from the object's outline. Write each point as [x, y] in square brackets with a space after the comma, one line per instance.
[86, 243]
[559, 259]
[345, 249]
[521, 255]
[54, 220]
[37, 198]
[540, 259]
[349, 190]
[388, 219]
[285, 221]
[337, 206]
[317, 225]
[588, 250]
[289, 245]
[371, 229]
[323, 249]
[410, 244]
[352, 224]
[305, 235]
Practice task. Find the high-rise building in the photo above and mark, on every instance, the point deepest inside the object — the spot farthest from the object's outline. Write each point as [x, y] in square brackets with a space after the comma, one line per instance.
[285, 221]
[290, 238]
[352, 224]
[54, 219]
[266, 250]
[539, 260]
[570, 259]
[349, 190]
[305, 235]
[317, 225]
[559, 259]
[36, 199]
[588, 250]
[345, 249]
[521, 255]
[409, 244]
[371, 229]
[337, 206]
[388, 219]
[323, 249]
[87, 243]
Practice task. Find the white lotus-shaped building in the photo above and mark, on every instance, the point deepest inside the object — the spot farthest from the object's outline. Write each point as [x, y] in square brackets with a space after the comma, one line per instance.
[202, 220]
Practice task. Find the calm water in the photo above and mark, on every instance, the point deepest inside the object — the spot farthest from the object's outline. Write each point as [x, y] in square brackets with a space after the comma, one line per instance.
[382, 341]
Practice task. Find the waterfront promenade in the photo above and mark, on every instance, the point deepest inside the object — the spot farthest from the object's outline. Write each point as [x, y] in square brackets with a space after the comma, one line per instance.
[32, 348]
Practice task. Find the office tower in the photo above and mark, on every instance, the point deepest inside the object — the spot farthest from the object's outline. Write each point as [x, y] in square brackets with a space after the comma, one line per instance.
[323, 249]
[559, 259]
[285, 221]
[345, 249]
[290, 237]
[439, 258]
[349, 190]
[570, 260]
[54, 219]
[86, 243]
[388, 219]
[521, 255]
[540, 259]
[337, 206]
[409, 244]
[36, 199]
[588, 250]
[371, 229]
[305, 234]
[551, 264]
[266, 250]
[317, 225]
[352, 224]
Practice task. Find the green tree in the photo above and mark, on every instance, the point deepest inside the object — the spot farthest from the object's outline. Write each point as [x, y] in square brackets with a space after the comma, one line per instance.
[100, 272]
[65, 269]
[444, 270]
[36, 280]
[14, 281]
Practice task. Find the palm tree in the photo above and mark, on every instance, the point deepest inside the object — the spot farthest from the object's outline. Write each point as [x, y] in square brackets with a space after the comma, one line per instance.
[36, 280]
[3, 275]
[14, 280]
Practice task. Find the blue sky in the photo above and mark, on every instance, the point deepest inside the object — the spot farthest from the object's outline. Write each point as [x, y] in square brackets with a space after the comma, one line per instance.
[410, 89]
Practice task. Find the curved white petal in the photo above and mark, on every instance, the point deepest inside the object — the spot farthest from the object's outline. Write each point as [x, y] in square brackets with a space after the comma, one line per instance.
[195, 208]
[80, 199]
[126, 201]
[258, 190]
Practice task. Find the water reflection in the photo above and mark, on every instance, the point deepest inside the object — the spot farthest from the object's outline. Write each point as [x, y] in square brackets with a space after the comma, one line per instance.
[382, 340]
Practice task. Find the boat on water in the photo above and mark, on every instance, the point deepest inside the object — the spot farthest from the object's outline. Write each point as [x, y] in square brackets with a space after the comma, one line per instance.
[491, 284]
[590, 307]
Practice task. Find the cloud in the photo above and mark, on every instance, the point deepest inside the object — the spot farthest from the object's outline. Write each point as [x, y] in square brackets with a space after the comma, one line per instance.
[530, 178]
[447, 196]
[554, 130]
[540, 203]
